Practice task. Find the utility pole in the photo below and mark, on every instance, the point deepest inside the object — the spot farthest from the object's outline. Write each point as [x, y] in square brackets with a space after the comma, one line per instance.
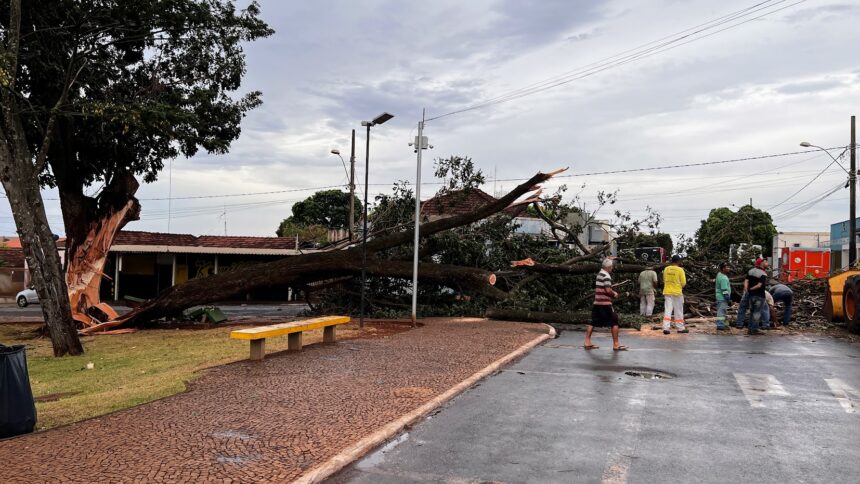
[352, 187]
[420, 145]
[852, 180]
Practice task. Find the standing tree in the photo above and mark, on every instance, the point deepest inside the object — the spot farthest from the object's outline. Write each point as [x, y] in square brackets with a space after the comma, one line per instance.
[327, 208]
[100, 93]
[724, 228]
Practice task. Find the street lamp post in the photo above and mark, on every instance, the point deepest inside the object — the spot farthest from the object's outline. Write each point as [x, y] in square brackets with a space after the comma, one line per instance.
[377, 120]
[852, 183]
[351, 176]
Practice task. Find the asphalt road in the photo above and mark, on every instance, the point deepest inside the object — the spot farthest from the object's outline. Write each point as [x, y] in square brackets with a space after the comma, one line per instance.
[33, 312]
[739, 409]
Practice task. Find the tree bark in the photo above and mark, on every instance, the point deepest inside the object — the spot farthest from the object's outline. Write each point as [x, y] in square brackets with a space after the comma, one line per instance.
[291, 270]
[325, 265]
[91, 227]
[21, 182]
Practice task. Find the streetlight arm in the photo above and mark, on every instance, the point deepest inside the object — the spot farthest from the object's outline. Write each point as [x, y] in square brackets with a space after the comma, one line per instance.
[835, 160]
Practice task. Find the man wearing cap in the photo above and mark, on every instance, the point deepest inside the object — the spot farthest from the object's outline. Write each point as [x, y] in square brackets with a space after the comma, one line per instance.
[674, 280]
[756, 280]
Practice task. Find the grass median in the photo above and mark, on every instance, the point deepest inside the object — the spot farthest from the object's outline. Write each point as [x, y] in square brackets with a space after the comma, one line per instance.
[128, 369]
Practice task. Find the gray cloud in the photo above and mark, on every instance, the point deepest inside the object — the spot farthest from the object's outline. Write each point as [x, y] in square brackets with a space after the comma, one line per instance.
[757, 89]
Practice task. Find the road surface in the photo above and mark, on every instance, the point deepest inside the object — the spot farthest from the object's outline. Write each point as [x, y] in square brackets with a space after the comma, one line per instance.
[736, 409]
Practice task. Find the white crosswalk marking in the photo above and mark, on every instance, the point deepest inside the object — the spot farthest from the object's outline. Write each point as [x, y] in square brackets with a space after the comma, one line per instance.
[843, 393]
[757, 385]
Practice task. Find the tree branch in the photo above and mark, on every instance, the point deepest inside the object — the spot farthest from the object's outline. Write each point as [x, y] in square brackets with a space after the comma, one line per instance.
[430, 228]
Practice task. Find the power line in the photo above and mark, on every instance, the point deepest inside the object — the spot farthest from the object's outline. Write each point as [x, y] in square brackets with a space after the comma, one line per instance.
[685, 165]
[641, 52]
[810, 181]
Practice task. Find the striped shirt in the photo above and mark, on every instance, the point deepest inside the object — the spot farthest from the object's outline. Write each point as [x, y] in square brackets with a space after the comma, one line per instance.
[603, 291]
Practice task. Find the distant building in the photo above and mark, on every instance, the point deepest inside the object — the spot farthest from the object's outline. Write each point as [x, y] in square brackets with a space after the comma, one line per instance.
[839, 233]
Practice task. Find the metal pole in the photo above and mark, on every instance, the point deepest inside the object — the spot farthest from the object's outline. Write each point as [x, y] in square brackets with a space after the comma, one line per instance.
[419, 147]
[352, 188]
[852, 178]
[364, 235]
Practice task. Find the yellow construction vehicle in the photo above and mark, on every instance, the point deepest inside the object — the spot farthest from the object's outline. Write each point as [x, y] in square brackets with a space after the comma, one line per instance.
[842, 299]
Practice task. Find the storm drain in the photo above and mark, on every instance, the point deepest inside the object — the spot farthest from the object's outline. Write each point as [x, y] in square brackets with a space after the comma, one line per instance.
[649, 374]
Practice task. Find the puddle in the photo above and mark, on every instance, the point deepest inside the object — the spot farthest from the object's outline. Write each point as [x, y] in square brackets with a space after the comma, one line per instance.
[377, 457]
[649, 374]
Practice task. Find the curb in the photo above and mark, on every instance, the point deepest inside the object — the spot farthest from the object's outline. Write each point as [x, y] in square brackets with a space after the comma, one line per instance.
[374, 440]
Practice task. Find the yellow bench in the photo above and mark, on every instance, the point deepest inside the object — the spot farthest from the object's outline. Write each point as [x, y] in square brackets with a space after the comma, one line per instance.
[294, 330]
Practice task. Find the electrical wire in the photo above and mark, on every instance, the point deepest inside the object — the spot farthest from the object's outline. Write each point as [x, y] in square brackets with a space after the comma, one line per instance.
[677, 40]
[835, 161]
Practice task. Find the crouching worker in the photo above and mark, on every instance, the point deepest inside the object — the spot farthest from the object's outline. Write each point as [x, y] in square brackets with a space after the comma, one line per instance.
[602, 313]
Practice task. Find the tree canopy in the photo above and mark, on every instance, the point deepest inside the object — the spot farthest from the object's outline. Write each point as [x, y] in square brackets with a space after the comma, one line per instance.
[327, 208]
[118, 98]
[723, 228]
[96, 94]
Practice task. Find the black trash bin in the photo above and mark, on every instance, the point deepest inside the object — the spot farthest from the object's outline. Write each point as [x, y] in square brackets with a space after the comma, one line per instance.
[17, 408]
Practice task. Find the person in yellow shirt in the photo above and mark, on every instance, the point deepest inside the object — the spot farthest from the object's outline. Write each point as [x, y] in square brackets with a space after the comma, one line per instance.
[674, 280]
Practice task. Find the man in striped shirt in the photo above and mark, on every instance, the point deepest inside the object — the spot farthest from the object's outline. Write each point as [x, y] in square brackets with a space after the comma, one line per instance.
[602, 314]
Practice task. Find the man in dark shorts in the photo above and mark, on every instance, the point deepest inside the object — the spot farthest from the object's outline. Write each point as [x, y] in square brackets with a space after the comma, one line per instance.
[602, 313]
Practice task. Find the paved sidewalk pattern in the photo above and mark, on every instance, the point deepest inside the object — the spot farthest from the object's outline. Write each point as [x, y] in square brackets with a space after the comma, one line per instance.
[269, 421]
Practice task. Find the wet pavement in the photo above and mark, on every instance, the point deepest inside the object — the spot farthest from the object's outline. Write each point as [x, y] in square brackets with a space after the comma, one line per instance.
[684, 408]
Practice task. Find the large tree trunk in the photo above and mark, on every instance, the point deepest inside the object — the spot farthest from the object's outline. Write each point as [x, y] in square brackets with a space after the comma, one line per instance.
[293, 270]
[91, 227]
[43, 259]
[19, 173]
[326, 265]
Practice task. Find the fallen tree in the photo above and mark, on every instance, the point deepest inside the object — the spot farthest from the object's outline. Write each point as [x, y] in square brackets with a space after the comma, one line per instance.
[307, 268]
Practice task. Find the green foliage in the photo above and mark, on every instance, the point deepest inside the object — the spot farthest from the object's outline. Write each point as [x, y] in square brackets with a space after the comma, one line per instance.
[457, 173]
[724, 227]
[490, 244]
[393, 211]
[314, 234]
[327, 208]
[150, 80]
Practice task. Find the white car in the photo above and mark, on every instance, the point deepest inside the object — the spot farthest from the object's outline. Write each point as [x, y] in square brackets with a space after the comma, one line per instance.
[27, 296]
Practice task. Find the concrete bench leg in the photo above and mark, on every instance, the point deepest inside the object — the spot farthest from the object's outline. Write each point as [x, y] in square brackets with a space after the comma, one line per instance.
[295, 341]
[328, 334]
[258, 349]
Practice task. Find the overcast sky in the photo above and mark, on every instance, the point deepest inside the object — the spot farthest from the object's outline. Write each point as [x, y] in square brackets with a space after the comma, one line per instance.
[756, 89]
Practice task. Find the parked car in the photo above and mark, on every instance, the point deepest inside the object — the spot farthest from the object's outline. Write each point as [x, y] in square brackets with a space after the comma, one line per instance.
[26, 297]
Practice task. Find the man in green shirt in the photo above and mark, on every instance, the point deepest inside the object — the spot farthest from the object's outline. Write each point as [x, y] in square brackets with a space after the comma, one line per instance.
[647, 289]
[724, 295]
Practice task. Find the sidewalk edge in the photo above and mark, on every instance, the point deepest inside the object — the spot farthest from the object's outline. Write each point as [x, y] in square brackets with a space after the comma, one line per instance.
[374, 440]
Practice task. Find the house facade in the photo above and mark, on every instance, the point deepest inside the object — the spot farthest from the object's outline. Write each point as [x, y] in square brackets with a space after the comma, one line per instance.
[143, 264]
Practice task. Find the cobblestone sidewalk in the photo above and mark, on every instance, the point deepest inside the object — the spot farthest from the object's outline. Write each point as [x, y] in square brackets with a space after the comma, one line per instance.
[269, 421]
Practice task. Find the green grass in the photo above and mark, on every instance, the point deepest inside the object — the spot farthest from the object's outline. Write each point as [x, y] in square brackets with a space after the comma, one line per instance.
[129, 369]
